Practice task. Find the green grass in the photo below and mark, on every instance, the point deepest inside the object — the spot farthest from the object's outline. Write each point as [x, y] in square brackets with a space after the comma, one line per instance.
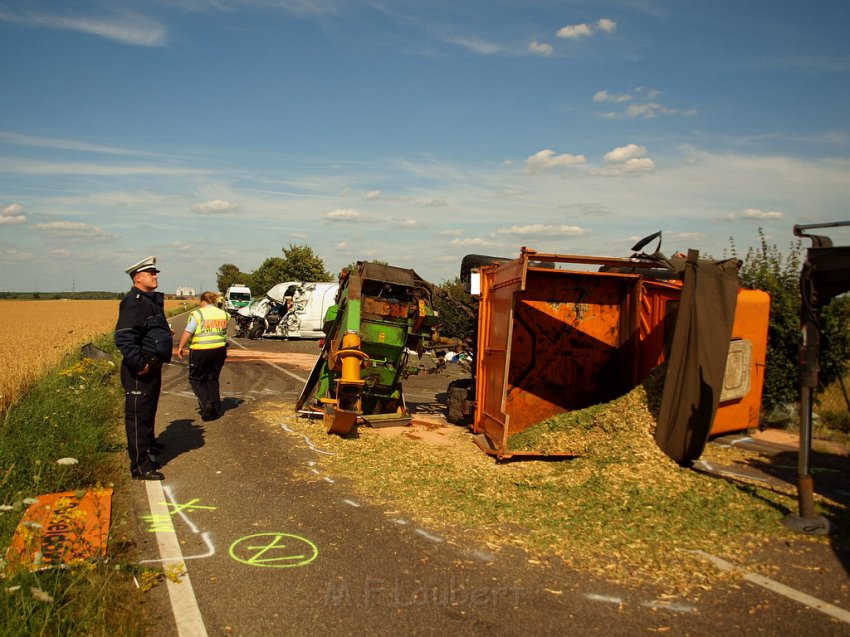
[74, 412]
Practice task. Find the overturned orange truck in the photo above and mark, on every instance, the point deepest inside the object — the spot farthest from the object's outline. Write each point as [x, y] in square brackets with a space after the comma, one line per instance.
[559, 333]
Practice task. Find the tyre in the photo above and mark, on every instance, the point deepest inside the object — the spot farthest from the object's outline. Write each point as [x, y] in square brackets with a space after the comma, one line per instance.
[458, 394]
[256, 331]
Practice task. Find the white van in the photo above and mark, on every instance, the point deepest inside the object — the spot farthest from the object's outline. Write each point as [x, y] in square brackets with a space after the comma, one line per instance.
[237, 296]
[295, 309]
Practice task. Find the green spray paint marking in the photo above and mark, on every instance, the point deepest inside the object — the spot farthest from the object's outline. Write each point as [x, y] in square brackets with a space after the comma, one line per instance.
[273, 550]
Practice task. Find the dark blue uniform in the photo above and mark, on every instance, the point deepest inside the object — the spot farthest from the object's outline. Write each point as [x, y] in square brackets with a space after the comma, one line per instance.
[144, 338]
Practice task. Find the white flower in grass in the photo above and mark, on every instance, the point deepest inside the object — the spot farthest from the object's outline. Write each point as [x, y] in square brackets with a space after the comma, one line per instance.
[6, 507]
[40, 595]
[67, 461]
[29, 501]
[12, 589]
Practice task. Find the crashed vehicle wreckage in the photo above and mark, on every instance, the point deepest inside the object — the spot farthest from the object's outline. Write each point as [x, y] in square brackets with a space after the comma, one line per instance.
[294, 309]
[556, 333]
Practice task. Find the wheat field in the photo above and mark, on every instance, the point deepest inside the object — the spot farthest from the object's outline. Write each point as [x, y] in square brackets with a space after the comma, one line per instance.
[38, 335]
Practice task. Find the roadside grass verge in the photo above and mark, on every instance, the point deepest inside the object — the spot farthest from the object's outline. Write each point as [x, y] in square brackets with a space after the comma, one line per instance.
[620, 510]
[73, 412]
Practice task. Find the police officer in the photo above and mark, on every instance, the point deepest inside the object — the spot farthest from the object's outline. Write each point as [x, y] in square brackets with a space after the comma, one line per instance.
[206, 335]
[145, 340]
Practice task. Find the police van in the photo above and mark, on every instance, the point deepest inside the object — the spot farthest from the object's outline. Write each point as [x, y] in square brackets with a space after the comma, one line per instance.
[237, 296]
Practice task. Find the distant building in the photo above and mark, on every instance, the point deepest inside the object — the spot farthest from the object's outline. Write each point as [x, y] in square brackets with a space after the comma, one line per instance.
[185, 292]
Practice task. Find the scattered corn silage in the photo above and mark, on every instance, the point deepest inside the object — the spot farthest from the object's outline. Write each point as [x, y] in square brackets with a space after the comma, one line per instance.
[622, 509]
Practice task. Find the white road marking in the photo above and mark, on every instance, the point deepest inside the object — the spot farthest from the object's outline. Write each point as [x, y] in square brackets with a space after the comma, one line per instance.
[674, 607]
[184, 605]
[786, 591]
[277, 367]
[725, 472]
[308, 441]
[428, 536]
[609, 599]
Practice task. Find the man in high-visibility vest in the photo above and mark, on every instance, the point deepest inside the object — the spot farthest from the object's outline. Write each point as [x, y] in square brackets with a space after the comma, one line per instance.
[206, 336]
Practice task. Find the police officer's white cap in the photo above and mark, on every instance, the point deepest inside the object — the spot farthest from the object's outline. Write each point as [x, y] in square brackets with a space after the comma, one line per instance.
[144, 265]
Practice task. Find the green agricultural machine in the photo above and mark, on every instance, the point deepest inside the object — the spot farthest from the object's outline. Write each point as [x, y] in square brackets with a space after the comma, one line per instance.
[382, 313]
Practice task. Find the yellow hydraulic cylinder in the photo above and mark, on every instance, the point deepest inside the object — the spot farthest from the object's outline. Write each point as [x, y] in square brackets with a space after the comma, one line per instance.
[341, 416]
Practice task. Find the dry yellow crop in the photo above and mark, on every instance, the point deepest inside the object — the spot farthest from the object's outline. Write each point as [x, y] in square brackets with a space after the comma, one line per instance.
[37, 335]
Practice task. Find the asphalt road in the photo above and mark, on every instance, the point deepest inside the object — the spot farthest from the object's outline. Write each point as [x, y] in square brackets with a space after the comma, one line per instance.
[271, 546]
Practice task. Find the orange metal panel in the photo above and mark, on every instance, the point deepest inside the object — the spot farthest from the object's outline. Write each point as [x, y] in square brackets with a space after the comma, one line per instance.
[751, 319]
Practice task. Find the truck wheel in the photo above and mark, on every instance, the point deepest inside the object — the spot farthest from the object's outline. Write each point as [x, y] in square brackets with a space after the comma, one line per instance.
[457, 394]
[256, 332]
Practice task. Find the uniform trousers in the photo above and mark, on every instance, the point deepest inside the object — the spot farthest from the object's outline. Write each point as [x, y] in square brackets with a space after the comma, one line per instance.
[204, 369]
[141, 398]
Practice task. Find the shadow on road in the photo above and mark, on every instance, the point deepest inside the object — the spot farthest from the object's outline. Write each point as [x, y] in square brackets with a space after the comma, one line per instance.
[179, 437]
[230, 403]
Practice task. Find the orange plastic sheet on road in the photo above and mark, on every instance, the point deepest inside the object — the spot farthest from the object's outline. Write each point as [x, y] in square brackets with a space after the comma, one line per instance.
[61, 529]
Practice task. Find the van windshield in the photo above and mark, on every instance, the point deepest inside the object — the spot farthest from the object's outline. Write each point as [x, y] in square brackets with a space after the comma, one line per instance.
[240, 296]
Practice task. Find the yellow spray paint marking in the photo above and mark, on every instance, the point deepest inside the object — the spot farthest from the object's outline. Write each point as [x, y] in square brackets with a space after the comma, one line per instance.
[190, 506]
[273, 550]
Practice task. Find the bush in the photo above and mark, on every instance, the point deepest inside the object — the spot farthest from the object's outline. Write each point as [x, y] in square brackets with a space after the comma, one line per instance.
[765, 268]
[458, 310]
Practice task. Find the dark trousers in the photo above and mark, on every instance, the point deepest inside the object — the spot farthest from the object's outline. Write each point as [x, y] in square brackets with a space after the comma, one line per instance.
[204, 369]
[141, 398]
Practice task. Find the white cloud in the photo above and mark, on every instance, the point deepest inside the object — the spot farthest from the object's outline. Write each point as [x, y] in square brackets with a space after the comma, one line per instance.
[624, 153]
[605, 96]
[470, 242]
[607, 25]
[755, 213]
[509, 192]
[630, 167]
[436, 203]
[584, 30]
[75, 231]
[372, 195]
[16, 165]
[126, 28]
[13, 255]
[477, 45]
[625, 161]
[64, 144]
[215, 207]
[575, 31]
[649, 110]
[408, 224]
[546, 159]
[541, 229]
[9, 214]
[342, 245]
[541, 48]
[648, 107]
[344, 214]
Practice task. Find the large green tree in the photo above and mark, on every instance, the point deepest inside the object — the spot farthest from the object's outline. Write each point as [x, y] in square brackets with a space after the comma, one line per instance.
[272, 271]
[298, 263]
[301, 264]
[229, 274]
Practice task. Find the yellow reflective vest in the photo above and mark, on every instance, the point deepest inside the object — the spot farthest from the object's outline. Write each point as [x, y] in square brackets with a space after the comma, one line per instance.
[211, 328]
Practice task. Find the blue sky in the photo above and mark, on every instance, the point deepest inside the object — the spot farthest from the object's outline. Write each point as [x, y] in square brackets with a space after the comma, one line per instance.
[219, 131]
